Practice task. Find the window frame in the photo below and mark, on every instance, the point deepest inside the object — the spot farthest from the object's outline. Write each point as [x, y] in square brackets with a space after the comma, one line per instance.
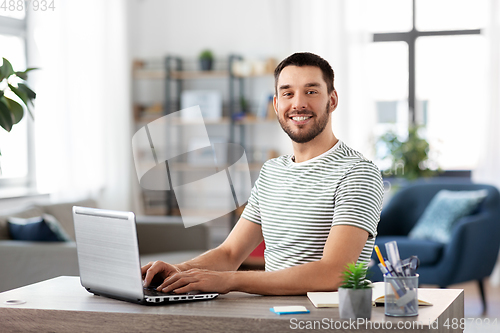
[410, 37]
[18, 27]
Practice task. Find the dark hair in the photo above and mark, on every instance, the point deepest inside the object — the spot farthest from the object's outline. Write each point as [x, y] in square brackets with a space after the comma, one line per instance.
[306, 59]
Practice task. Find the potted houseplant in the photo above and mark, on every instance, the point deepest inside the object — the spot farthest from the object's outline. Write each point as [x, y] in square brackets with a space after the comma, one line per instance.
[355, 293]
[412, 155]
[13, 85]
[206, 60]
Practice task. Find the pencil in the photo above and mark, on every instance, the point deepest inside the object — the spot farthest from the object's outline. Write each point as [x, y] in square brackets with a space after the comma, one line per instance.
[379, 255]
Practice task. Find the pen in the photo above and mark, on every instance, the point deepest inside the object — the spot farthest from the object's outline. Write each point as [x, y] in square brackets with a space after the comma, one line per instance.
[391, 270]
[395, 286]
[398, 288]
[384, 270]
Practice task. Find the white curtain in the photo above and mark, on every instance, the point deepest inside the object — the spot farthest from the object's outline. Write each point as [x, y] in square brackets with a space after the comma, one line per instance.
[82, 117]
[489, 166]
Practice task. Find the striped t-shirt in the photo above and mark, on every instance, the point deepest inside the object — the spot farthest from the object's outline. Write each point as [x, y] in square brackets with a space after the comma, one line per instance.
[298, 203]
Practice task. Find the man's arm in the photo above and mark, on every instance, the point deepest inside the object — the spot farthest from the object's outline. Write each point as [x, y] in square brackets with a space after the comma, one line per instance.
[228, 256]
[344, 245]
[242, 240]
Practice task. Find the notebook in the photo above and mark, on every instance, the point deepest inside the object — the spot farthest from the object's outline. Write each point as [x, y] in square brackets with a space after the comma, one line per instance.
[331, 299]
[108, 258]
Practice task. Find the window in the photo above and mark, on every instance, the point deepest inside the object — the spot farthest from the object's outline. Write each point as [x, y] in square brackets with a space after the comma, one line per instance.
[452, 78]
[15, 159]
[444, 76]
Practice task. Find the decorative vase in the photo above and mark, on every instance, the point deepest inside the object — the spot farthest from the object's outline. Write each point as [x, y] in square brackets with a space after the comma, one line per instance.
[355, 303]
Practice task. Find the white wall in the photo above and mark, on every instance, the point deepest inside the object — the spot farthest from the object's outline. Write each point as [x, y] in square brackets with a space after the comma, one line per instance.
[254, 29]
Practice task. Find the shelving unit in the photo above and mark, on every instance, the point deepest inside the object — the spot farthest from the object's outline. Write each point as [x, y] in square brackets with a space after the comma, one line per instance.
[173, 75]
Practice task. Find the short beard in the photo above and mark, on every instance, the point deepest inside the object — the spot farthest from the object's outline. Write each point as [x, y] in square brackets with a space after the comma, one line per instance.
[312, 133]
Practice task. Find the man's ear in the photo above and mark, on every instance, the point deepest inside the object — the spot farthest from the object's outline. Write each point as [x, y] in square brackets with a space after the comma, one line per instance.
[334, 100]
[275, 104]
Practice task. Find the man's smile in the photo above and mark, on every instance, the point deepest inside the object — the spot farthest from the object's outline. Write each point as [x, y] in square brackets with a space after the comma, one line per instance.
[300, 119]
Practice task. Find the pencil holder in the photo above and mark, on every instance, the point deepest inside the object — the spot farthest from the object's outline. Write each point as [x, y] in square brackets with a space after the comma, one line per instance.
[401, 296]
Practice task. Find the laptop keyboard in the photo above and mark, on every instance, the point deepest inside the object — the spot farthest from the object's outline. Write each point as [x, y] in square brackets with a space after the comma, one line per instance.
[151, 291]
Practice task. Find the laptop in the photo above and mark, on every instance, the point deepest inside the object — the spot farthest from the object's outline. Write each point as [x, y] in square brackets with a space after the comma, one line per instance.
[108, 258]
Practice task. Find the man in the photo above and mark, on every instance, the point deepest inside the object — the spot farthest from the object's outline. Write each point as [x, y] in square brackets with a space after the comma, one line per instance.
[316, 210]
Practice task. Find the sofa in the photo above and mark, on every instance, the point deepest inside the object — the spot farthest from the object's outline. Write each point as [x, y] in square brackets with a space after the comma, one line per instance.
[27, 262]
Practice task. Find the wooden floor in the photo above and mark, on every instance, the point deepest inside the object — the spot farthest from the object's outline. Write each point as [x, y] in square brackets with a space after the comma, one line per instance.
[474, 309]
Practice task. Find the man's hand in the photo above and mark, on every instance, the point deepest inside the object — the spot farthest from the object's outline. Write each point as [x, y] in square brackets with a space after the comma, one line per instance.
[199, 280]
[159, 269]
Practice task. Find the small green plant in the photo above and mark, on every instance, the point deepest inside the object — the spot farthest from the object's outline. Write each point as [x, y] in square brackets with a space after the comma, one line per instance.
[206, 54]
[206, 59]
[354, 277]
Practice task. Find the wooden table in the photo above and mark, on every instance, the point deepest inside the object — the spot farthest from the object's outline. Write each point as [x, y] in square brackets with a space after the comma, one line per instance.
[63, 305]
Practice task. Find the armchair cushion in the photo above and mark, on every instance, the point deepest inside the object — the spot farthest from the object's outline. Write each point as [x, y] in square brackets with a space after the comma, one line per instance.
[444, 210]
[429, 252]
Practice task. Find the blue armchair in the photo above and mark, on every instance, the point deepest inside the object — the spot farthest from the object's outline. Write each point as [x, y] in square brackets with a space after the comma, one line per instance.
[472, 252]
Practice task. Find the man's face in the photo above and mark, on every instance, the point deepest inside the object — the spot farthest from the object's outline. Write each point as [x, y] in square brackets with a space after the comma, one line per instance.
[302, 104]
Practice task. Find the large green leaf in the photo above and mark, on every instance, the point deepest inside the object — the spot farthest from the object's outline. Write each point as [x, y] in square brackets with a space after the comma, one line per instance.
[21, 94]
[30, 93]
[5, 116]
[24, 75]
[6, 69]
[16, 109]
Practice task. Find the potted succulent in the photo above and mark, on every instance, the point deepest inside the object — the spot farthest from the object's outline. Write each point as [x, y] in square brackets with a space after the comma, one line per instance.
[206, 60]
[12, 84]
[355, 293]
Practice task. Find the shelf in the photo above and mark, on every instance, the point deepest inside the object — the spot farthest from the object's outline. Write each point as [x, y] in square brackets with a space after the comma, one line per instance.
[225, 121]
[151, 74]
[186, 75]
[182, 122]
[147, 118]
[170, 72]
[255, 121]
[158, 74]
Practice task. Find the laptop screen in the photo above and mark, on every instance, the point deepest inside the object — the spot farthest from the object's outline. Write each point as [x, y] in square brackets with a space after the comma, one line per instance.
[108, 252]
